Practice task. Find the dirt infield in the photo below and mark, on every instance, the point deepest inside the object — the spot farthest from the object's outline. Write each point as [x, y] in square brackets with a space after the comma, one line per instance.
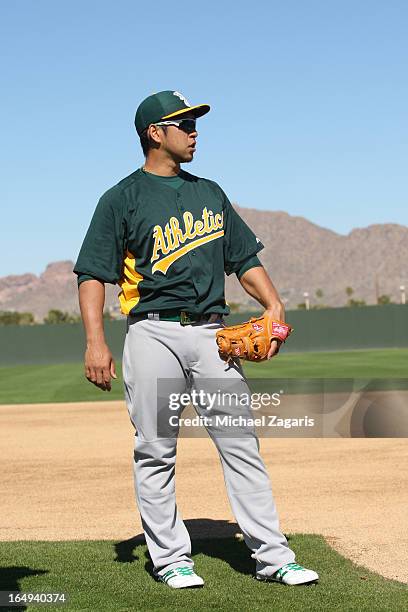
[67, 475]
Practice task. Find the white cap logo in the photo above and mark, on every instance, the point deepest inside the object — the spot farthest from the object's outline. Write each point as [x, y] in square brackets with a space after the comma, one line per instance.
[179, 95]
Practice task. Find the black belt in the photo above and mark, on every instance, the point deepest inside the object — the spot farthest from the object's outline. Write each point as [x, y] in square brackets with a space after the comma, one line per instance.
[179, 316]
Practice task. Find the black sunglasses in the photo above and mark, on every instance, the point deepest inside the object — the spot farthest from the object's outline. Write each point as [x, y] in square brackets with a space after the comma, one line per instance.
[187, 125]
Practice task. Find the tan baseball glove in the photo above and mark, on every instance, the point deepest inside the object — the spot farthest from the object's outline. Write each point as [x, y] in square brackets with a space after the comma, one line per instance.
[251, 340]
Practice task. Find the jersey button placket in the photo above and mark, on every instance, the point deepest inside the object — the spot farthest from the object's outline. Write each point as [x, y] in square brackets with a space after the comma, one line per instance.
[181, 210]
[192, 255]
[179, 203]
[195, 270]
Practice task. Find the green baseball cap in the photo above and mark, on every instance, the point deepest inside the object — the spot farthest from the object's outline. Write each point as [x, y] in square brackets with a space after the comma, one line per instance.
[164, 105]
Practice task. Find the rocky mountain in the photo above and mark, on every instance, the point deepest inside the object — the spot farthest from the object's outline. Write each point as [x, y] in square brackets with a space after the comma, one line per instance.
[299, 255]
[54, 288]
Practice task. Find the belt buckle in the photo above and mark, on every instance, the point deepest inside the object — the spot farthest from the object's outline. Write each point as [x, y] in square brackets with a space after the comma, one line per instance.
[185, 318]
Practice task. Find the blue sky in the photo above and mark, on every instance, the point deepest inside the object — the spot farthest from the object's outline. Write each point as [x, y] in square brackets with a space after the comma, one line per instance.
[309, 109]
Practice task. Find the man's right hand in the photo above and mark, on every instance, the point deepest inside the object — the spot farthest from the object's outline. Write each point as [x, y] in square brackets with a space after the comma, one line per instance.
[99, 365]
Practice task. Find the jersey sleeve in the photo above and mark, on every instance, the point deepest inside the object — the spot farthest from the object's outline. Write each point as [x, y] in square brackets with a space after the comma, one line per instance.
[102, 251]
[252, 262]
[240, 243]
[83, 277]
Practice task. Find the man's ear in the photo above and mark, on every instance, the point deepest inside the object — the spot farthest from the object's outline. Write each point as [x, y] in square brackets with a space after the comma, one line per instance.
[155, 134]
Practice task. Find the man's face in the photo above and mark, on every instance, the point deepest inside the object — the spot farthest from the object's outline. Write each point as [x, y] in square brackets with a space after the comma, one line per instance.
[178, 143]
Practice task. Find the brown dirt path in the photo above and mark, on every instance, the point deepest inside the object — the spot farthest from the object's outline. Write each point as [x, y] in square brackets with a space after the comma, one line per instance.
[67, 474]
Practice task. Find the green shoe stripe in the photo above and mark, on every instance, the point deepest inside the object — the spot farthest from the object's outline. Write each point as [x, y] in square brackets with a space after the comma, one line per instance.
[181, 571]
[166, 577]
[184, 571]
[282, 571]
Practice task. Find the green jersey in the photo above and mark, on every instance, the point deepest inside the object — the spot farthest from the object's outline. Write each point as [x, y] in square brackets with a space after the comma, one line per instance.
[167, 244]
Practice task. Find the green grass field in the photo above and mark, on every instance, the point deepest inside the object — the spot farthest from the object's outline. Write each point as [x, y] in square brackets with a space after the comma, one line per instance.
[104, 575]
[66, 383]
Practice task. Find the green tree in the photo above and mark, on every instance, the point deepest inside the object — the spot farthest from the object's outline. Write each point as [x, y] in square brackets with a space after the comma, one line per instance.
[319, 293]
[302, 306]
[352, 302]
[8, 317]
[26, 318]
[349, 291]
[384, 299]
[12, 317]
[56, 317]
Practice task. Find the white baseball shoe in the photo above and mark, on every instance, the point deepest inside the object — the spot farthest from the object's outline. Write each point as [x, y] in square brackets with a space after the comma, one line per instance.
[292, 574]
[182, 578]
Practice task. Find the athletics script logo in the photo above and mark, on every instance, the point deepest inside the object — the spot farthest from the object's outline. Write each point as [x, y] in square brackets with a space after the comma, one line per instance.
[169, 242]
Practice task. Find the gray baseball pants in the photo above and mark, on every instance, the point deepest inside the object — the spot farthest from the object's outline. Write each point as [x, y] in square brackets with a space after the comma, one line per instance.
[188, 355]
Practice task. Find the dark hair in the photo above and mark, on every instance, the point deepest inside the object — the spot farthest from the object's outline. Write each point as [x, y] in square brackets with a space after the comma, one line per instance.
[147, 143]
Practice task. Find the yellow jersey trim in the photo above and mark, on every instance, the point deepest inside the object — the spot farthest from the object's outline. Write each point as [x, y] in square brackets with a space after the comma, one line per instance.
[129, 296]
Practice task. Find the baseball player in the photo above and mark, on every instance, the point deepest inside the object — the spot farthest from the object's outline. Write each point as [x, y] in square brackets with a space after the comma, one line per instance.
[168, 238]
